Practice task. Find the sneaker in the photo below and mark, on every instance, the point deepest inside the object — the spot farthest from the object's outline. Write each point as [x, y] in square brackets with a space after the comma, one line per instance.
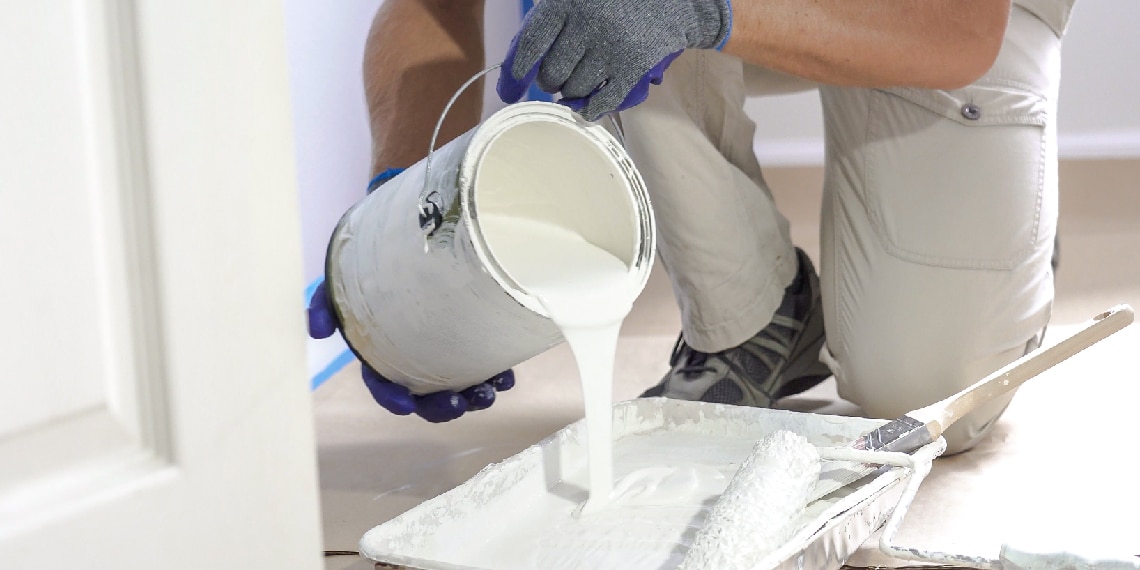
[781, 360]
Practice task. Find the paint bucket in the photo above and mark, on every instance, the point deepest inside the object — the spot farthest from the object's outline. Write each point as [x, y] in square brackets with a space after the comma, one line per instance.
[414, 281]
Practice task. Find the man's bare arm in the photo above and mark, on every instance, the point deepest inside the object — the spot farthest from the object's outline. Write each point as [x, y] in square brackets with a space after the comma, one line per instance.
[933, 44]
[417, 54]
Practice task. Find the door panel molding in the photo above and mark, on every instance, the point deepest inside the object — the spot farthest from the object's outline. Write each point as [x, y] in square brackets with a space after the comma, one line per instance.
[98, 449]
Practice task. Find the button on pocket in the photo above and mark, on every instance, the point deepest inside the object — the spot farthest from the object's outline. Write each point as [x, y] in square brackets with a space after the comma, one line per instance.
[955, 179]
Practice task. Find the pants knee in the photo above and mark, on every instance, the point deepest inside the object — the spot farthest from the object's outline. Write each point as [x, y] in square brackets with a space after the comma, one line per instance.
[913, 374]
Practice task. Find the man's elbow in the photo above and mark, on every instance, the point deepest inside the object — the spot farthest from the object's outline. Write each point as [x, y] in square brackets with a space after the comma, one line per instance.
[973, 51]
[965, 69]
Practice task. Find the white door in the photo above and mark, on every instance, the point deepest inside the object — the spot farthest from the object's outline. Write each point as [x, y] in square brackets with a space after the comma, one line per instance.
[153, 402]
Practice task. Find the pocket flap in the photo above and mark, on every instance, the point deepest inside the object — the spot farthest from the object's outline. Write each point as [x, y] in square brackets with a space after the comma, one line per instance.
[980, 105]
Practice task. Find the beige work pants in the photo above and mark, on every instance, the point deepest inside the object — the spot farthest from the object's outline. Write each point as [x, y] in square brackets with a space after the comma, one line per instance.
[939, 212]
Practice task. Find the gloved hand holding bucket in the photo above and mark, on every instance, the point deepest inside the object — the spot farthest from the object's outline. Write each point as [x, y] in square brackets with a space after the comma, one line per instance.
[559, 47]
[412, 278]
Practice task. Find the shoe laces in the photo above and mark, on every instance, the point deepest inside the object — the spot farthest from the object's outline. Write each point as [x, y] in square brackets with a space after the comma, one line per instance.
[768, 343]
[695, 361]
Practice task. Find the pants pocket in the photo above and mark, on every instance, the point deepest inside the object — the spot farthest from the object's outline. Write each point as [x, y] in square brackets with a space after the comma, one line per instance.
[955, 178]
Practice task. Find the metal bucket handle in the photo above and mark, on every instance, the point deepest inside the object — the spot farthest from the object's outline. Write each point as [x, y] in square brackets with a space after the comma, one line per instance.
[431, 210]
[429, 204]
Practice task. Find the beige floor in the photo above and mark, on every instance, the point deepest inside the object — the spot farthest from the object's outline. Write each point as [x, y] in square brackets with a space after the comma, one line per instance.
[1062, 459]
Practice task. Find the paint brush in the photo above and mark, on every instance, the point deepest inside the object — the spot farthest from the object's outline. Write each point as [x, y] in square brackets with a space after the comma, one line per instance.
[925, 425]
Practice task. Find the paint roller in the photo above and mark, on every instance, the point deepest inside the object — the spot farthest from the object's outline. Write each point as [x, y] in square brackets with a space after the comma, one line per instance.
[754, 514]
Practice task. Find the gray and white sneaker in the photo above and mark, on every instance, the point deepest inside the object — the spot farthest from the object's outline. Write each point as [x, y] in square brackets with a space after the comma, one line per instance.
[780, 360]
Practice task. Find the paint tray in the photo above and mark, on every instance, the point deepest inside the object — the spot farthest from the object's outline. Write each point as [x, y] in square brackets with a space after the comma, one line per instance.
[455, 530]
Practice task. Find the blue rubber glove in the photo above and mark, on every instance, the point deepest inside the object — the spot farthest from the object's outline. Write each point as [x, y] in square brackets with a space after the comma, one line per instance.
[436, 407]
[603, 55]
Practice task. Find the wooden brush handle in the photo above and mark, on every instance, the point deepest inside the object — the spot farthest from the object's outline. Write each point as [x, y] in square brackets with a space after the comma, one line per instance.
[940, 415]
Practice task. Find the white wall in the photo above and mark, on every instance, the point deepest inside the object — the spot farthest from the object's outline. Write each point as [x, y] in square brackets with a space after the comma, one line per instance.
[1099, 114]
[1100, 89]
[330, 121]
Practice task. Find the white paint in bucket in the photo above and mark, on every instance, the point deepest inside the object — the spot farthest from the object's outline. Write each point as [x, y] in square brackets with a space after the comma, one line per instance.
[449, 316]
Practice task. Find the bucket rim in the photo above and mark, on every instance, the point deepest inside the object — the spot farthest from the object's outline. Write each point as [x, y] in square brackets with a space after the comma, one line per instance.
[519, 113]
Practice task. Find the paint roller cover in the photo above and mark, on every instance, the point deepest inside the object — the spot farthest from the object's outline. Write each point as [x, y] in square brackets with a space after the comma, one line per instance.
[754, 515]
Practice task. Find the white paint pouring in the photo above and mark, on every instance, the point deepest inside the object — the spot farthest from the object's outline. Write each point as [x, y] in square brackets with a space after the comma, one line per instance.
[587, 292]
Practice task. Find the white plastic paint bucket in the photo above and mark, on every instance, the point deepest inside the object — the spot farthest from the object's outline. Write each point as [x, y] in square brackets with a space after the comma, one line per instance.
[416, 286]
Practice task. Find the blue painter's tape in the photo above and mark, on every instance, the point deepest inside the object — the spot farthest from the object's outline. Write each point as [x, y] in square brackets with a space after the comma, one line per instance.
[311, 287]
[335, 366]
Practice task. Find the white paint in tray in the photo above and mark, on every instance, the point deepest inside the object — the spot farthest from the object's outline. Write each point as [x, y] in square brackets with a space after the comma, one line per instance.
[672, 461]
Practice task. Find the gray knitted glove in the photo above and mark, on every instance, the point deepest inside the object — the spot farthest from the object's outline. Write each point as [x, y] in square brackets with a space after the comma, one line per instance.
[603, 54]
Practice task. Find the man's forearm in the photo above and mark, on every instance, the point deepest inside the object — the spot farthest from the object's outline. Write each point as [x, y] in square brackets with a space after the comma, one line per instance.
[417, 54]
[934, 44]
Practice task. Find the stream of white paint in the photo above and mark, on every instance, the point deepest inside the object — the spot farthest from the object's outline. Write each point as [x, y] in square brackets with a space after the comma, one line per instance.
[587, 292]
[647, 520]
